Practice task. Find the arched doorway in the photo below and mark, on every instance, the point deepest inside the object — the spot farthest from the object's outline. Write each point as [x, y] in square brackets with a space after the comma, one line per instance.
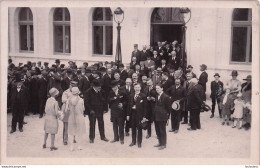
[166, 25]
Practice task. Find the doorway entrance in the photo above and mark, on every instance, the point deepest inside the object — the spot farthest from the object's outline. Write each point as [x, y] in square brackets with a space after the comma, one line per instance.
[166, 25]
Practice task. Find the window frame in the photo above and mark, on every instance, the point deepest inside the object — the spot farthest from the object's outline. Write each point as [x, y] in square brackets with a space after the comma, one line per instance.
[248, 25]
[104, 23]
[27, 23]
[62, 23]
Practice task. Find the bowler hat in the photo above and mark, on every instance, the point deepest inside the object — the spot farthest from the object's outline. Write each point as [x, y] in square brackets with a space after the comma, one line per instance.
[74, 83]
[53, 92]
[248, 78]
[234, 73]
[203, 66]
[96, 83]
[216, 74]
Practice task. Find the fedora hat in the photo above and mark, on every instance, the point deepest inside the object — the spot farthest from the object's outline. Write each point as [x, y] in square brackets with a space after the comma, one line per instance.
[176, 105]
[248, 78]
[234, 73]
[75, 90]
[53, 92]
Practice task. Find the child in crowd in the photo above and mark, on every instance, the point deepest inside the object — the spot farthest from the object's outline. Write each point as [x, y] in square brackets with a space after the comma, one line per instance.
[239, 105]
[51, 121]
[227, 104]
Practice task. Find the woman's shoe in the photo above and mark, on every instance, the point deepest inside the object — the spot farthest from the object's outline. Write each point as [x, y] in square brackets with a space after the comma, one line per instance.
[53, 148]
[44, 146]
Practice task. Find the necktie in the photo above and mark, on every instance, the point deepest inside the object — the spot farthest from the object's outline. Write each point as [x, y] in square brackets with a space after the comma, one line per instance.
[136, 95]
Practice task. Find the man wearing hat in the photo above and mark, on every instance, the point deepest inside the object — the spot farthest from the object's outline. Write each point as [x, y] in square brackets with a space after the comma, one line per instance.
[234, 84]
[46, 66]
[57, 62]
[189, 70]
[95, 107]
[42, 91]
[247, 96]
[203, 79]
[117, 102]
[123, 73]
[65, 97]
[216, 92]
[19, 105]
[177, 94]
[66, 81]
[136, 53]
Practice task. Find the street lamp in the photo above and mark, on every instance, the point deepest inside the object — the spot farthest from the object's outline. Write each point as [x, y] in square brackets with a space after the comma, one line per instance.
[118, 17]
[185, 13]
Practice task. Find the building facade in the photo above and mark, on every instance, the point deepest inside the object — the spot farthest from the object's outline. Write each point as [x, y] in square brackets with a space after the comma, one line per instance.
[219, 38]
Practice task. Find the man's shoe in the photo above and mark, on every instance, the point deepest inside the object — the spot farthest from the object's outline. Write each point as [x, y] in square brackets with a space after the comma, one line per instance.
[172, 130]
[176, 131]
[113, 141]
[53, 148]
[190, 129]
[127, 134]
[44, 146]
[132, 144]
[105, 139]
[24, 123]
[184, 123]
[139, 145]
[91, 141]
[21, 130]
[162, 147]
[148, 136]
[122, 142]
[40, 116]
[158, 145]
[65, 143]
[12, 131]
[212, 115]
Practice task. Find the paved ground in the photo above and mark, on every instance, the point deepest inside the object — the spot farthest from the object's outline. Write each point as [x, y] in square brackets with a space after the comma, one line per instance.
[212, 141]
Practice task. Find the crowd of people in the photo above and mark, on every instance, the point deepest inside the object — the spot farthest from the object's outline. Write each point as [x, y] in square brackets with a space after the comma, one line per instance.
[153, 88]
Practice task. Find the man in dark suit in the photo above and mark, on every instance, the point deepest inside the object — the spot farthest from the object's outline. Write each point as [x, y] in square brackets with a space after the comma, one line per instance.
[117, 102]
[190, 70]
[42, 92]
[163, 66]
[216, 92]
[136, 53]
[95, 106]
[203, 79]
[157, 59]
[137, 113]
[19, 104]
[186, 86]
[123, 73]
[107, 78]
[174, 60]
[119, 81]
[84, 83]
[176, 93]
[143, 55]
[161, 112]
[65, 83]
[194, 102]
[166, 81]
[33, 90]
[151, 94]
[127, 90]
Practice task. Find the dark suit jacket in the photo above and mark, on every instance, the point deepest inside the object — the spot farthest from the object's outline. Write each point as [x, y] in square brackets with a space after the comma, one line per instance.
[24, 97]
[114, 100]
[203, 79]
[174, 62]
[150, 103]
[84, 84]
[166, 84]
[95, 101]
[141, 103]
[126, 94]
[143, 55]
[216, 89]
[157, 61]
[195, 97]
[137, 54]
[42, 89]
[177, 94]
[123, 75]
[65, 83]
[162, 108]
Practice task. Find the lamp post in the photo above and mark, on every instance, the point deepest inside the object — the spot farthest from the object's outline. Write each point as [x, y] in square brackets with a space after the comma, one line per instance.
[118, 17]
[186, 14]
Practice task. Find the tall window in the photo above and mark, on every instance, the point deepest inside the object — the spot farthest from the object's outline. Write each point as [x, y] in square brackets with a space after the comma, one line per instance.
[241, 49]
[26, 29]
[61, 29]
[102, 31]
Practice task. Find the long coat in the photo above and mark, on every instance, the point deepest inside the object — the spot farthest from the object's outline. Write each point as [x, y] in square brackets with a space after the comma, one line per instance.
[95, 101]
[195, 97]
[24, 97]
[162, 108]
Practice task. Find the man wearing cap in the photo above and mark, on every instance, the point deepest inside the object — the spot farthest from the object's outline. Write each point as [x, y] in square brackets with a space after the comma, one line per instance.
[177, 94]
[203, 79]
[194, 103]
[19, 105]
[65, 97]
[234, 84]
[216, 92]
[117, 102]
[136, 53]
[161, 112]
[42, 91]
[96, 106]
[189, 70]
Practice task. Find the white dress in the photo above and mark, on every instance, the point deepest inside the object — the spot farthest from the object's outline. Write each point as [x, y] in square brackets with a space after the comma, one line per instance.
[239, 106]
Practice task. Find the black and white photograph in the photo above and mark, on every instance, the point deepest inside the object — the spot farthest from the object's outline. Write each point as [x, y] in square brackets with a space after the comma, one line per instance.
[130, 82]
